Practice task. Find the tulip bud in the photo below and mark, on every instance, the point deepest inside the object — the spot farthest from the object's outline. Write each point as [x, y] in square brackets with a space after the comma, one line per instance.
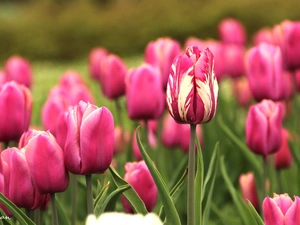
[234, 60]
[2, 77]
[112, 77]
[61, 129]
[263, 127]
[161, 53]
[232, 31]
[283, 158]
[139, 177]
[42, 152]
[145, 97]
[281, 210]
[264, 70]
[15, 114]
[89, 144]
[192, 90]
[17, 179]
[96, 56]
[248, 188]
[18, 69]
[263, 35]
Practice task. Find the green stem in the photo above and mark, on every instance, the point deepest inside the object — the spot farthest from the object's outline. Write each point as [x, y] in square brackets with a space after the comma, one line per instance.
[54, 210]
[5, 145]
[37, 216]
[191, 178]
[265, 176]
[279, 181]
[74, 198]
[89, 194]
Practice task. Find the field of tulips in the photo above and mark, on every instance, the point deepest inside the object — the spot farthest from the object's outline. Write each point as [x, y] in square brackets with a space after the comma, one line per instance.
[201, 133]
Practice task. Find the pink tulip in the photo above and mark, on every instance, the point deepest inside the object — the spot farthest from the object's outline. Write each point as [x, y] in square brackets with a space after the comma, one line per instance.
[161, 53]
[42, 153]
[17, 179]
[264, 35]
[241, 91]
[281, 210]
[144, 93]
[264, 70]
[112, 77]
[2, 186]
[192, 90]
[96, 56]
[232, 31]
[248, 188]
[15, 113]
[18, 69]
[234, 60]
[61, 129]
[288, 80]
[283, 158]
[2, 77]
[89, 144]
[287, 35]
[263, 127]
[139, 177]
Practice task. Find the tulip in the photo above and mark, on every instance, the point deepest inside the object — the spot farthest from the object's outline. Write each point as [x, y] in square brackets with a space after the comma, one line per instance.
[241, 91]
[42, 152]
[112, 77]
[283, 158]
[281, 210]
[287, 35]
[264, 70]
[17, 179]
[2, 186]
[264, 35]
[232, 31]
[263, 127]
[234, 60]
[15, 114]
[117, 218]
[248, 188]
[145, 97]
[2, 77]
[161, 53]
[18, 69]
[96, 56]
[61, 129]
[89, 144]
[192, 90]
[139, 177]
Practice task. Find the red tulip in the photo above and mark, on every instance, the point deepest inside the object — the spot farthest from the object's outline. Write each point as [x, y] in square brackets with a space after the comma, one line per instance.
[281, 210]
[283, 158]
[89, 144]
[145, 98]
[15, 113]
[192, 90]
[232, 31]
[263, 127]
[96, 56]
[42, 153]
[18, 69]
[248, 188]
[139, 177]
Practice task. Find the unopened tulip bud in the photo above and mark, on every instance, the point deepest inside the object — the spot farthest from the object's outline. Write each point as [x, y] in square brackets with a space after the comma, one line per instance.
[283, 158]
[232, 31]
[192, 90]
[96, 56]
[248, 188]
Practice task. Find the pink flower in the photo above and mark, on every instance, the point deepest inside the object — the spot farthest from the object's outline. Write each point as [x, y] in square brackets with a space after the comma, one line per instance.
[15, 113]
[248, 188]
[112, 76]
[18, 69]
[232, 31]
[281, 210]
[145, 97]
[42, 153]
[139, 177]
[89, 145]
[264, 70]
[241, 91]
[192, 89]
[264, 35]
[263, 127]
[234, 60]
[161, 53]
[283, 158]
[96, 56]
[2, 77]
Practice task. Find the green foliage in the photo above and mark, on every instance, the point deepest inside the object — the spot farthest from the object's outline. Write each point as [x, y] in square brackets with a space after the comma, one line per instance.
[52, 30]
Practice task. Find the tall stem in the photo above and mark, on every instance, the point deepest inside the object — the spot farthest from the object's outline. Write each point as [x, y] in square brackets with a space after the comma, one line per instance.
[89, 194]
[37, 216]
[191, 177]
[54, 210]
[74, 198]
[265, 176]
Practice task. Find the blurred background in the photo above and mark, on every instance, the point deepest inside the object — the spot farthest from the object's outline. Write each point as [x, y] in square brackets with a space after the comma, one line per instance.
[68, 30]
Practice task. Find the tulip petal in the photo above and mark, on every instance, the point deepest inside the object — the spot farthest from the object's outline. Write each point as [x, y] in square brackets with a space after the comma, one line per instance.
[272, 213]
[292, 216]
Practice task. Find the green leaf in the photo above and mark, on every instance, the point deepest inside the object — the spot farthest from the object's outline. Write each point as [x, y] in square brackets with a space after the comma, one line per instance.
[18, 213]
[102, 194]
[243, 147]
[253, 211]
[172, 217]
[134, 199]
[238, 201]
[212, 171]
[199, 185]
[110, 202]
[62, 217]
